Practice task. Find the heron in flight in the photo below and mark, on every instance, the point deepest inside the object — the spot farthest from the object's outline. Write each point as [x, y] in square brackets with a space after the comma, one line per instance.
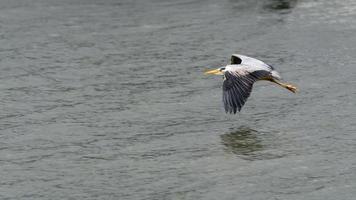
[239, 77]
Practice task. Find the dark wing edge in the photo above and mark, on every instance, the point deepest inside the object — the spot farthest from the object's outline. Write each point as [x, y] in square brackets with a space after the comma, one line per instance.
[237, 88]
[235, 60]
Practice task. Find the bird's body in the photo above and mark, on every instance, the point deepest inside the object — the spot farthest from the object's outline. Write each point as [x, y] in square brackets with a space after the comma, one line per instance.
[239, 77]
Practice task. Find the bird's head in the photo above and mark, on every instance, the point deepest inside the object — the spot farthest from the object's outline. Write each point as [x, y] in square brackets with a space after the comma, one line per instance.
[218, 71]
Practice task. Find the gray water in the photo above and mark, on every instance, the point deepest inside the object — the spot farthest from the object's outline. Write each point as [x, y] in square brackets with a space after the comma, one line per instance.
[108, 100]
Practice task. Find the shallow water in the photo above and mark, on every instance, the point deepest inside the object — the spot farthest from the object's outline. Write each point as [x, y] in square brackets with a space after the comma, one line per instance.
[107, 100]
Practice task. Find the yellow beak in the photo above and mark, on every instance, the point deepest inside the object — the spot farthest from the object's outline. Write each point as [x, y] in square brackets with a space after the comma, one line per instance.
[214, 71]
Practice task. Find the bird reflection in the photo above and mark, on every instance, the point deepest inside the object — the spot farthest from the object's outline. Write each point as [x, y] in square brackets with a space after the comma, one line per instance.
[250, 144]
[243, 141]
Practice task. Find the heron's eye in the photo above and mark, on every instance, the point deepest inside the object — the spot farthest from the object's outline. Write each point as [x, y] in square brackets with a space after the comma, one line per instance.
[223, 68]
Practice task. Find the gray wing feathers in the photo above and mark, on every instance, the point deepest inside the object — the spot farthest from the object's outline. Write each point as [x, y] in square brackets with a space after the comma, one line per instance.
[246, 60]
[237, 88]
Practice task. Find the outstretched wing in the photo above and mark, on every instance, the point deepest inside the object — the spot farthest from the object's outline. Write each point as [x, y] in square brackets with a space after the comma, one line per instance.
[237, 59]
[237, 88]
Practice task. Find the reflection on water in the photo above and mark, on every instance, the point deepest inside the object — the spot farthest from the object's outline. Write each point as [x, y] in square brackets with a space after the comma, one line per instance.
[280, 4]
[250, 144]
[243, 141]
[272, 5]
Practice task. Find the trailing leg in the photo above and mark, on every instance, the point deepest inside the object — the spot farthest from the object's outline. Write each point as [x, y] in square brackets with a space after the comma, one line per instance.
[289, 87]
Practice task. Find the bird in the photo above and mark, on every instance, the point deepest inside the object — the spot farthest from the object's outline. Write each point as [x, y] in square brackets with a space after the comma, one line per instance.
[239, 77]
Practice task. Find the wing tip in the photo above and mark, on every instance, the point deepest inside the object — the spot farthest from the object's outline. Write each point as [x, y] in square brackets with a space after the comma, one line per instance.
[233, 110]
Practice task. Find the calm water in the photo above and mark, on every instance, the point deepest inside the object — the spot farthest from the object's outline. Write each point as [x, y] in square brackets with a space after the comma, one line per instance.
[107, 100]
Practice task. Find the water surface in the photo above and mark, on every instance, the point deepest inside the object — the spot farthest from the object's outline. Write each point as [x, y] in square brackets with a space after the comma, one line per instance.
[107, 100]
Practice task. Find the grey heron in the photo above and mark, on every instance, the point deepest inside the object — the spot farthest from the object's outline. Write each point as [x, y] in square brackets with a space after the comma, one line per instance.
[239, 77]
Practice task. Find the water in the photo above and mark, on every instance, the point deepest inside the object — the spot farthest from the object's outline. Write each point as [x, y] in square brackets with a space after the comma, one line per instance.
[107, 100]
